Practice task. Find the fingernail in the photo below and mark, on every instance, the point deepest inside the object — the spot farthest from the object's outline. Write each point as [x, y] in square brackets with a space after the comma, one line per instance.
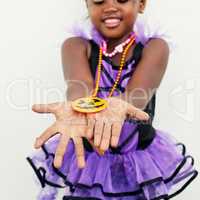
[96, 144]
[81, 163]
[57, 162]
[103, 148]
[37, 143]
[147, 116]
[102, 152]
[33, 107]
[81, 166]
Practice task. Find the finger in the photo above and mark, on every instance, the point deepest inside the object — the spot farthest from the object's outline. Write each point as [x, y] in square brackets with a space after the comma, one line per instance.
[116, 130]
[98, 131]
[90, 127]
[79, 148]
[45, 108]
[60, 151]
[48, 133]
[137, 113]
[106, 137]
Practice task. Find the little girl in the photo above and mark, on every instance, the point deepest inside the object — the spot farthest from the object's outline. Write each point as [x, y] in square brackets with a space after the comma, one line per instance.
[138, 162]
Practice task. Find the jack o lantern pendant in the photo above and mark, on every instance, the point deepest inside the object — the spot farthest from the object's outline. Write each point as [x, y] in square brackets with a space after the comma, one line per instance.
[89, 104]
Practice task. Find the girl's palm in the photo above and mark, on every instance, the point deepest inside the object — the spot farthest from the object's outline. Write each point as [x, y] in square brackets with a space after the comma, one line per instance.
[105, 126]
[70, 124]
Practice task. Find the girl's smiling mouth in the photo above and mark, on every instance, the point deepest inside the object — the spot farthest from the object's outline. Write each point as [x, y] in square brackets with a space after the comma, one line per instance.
[111, 21]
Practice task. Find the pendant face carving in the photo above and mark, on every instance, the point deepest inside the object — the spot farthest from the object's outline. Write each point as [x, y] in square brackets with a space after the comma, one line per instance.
[89, 104]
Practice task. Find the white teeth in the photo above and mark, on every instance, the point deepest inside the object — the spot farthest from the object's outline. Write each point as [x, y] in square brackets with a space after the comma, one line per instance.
[112, 22]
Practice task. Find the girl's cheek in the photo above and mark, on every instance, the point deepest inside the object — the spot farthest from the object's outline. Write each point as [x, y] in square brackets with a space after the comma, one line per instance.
[95, 15]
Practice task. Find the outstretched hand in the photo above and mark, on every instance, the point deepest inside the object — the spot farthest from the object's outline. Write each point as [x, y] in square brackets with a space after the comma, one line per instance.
[70, 124]
[105, 127]
[102, 129]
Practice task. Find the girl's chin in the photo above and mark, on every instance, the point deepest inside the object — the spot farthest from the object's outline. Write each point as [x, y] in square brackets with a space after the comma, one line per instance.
[112, 34]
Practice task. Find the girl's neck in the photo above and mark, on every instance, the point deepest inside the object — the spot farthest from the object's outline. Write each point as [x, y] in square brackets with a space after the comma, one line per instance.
[112, 43]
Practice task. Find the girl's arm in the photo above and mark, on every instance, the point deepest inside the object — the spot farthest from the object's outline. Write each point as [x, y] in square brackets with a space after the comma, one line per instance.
[75, 53]
[141, 86]
[148, 74]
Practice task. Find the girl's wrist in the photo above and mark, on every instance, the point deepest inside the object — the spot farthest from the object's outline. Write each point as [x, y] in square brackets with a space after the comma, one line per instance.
[135, 100]
[121, 97]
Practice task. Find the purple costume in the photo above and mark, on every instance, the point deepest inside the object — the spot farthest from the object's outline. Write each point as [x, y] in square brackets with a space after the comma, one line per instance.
[146, 165]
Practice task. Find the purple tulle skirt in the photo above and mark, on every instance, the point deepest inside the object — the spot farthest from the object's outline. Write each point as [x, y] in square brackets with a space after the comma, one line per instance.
[160, 170]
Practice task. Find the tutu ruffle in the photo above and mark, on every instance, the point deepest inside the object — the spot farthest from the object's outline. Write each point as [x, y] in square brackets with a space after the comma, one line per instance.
[159, 171]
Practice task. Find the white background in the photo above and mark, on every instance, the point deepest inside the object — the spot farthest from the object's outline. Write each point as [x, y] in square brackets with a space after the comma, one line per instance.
[31, 34]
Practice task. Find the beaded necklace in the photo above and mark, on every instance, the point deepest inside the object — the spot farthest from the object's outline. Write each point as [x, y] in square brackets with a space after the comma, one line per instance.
[119, 48]
[93, 103]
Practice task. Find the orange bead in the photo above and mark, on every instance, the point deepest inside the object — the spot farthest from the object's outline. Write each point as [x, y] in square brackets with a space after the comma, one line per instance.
[122, 63]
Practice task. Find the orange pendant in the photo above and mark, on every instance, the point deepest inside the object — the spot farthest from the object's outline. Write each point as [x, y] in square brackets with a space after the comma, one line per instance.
[89, 104]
